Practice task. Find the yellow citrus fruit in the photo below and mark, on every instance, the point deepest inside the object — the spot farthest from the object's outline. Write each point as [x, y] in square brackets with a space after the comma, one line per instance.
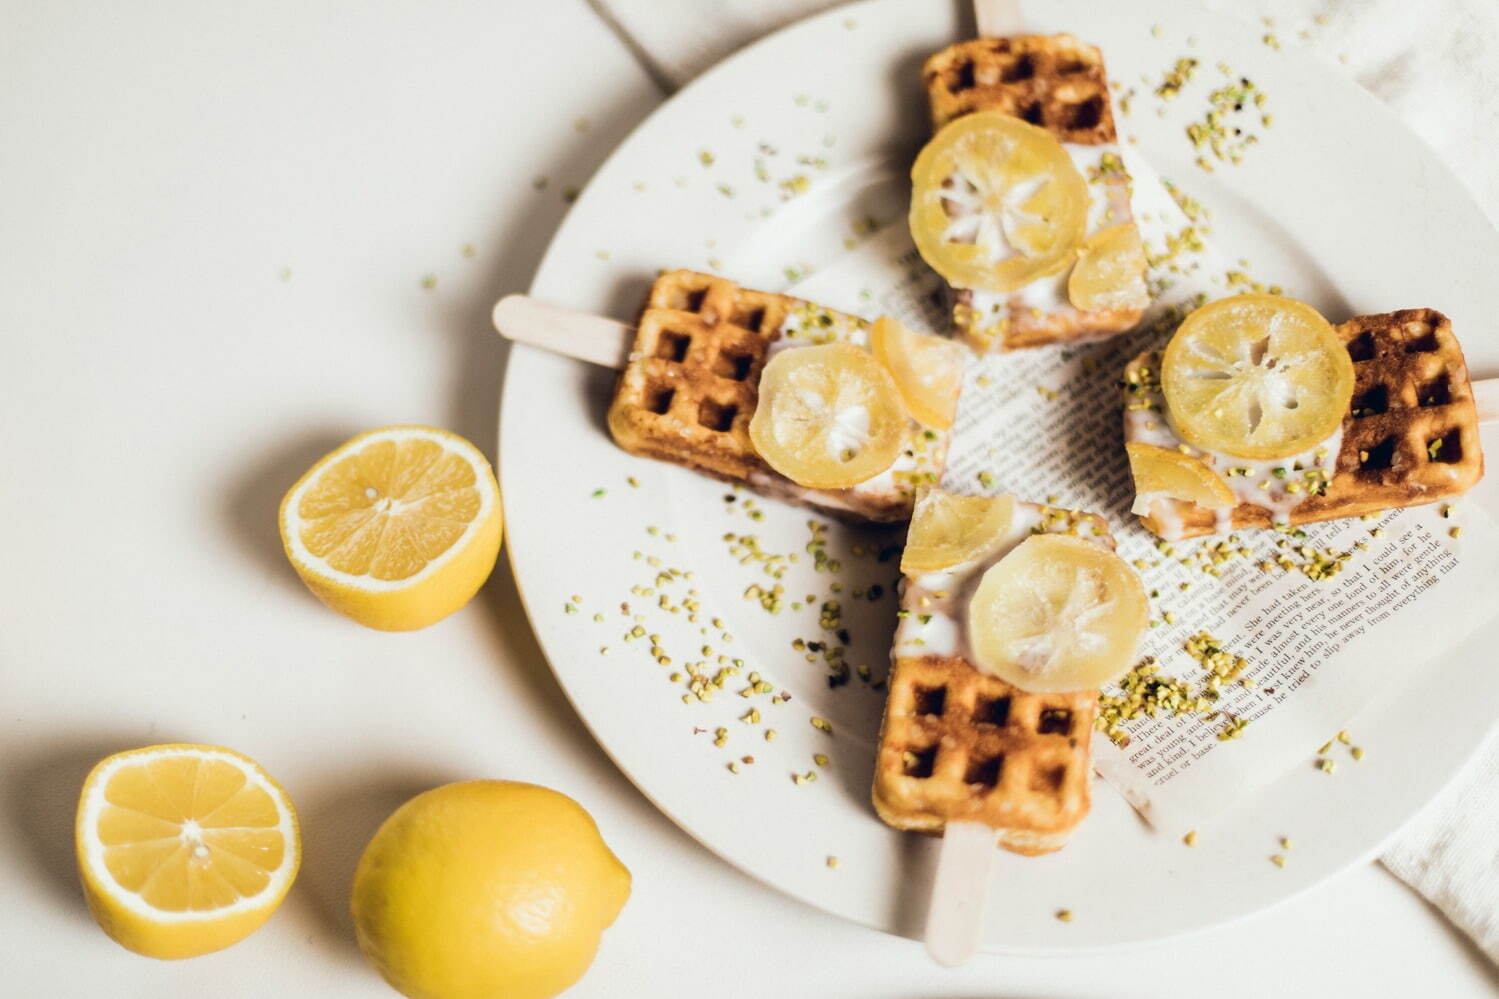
[184, 849]
[928, 370]
[1110, 271]
[1164, 471]
[486, 889]
[829, 416]
[1057, 613]
[1257, 376]
[947, 529]
[996, 203]
[397, 528]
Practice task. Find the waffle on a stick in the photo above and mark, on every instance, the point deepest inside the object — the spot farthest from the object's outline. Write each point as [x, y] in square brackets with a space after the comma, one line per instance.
[958, 745]
[1410, 436]
[690, 387]
[1058, 83]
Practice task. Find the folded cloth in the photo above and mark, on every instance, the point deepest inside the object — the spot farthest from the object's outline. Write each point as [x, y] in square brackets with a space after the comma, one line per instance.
[1450, 852]
[1434, 62]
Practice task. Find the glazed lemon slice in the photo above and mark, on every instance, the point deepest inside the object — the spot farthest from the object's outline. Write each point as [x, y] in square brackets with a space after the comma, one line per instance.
[928, 370]
[1256, 376]
[947, 529]
[1110, 271]
[1164, 472]
[184, 849]
[1057, 613]
[829, 416]
[996, 203]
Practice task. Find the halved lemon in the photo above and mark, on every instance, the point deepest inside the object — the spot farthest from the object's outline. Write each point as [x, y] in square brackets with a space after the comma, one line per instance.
[928, 370]
[184, 849]
[1163, 471]
[397, 528]
[996, 203]
[947, 529]
[829, 416]
[1110, 271]
[1057, 613]
[1256, 376]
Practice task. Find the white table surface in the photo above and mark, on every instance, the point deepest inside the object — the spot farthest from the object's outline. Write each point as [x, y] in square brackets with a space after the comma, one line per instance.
[215, 221]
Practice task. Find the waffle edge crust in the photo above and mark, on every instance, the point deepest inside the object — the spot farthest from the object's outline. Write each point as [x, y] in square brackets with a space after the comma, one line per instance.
[1411, 389]
[1058, 83]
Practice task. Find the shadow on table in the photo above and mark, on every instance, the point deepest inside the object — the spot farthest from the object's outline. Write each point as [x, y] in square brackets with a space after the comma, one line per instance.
[335, 830]
[1474, 954]
[41, 803]
[521, 230]
[251, 499]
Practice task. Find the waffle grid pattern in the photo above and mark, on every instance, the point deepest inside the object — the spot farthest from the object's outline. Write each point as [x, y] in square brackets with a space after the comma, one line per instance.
[1055, 81]
[959, 745]
[690, 387]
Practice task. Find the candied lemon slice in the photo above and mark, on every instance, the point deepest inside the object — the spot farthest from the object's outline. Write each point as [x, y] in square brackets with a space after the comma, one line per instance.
[1110, 271]
[829, 416]
[1164, 472]
[928, 370]
[1057, 613]
[1256, 376]
[948, 529]
[996, 203]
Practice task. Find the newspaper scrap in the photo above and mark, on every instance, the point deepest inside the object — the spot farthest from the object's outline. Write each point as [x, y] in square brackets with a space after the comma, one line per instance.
[1263, 642]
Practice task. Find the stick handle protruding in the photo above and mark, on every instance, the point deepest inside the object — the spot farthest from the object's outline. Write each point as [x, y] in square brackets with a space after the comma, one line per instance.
[997, 18]
[955, 918]
[568, 332]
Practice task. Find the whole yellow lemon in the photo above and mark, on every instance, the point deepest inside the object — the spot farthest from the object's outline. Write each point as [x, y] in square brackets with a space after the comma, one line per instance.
[486, 889]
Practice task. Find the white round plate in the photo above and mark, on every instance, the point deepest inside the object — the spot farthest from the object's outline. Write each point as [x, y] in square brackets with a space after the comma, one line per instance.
[1339, 201]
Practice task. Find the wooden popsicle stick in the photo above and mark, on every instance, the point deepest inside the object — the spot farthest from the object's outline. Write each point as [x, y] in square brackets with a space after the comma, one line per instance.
[1486, 396]
[997, 18]
[955, 917]
[568, 332]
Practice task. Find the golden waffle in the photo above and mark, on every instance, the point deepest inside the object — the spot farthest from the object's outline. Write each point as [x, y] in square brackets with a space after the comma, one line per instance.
[1411, 434]
[960, 746]
[1058, 83]
[688, 392]
[957, 745]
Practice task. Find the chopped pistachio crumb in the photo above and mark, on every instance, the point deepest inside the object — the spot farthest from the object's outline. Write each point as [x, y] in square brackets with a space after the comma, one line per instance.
[1278, 859]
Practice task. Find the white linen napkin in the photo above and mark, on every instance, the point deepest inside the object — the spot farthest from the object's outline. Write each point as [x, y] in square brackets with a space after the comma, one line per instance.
[1437, 64]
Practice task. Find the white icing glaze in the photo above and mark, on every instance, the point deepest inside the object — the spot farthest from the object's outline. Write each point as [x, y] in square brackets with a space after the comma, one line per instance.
[935, 604]
[1255, 483]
